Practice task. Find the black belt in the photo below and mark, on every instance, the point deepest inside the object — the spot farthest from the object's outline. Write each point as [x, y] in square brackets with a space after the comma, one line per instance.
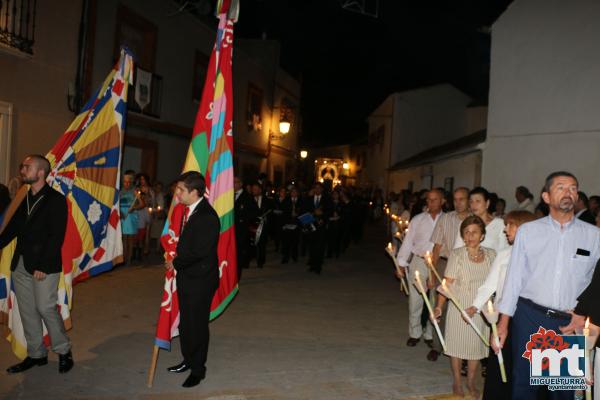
[551, 313]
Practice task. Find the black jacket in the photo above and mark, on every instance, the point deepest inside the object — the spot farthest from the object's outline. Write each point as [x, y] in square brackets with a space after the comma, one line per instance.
[243, 213]
[39, 236]
[197, 246]
[588, 217]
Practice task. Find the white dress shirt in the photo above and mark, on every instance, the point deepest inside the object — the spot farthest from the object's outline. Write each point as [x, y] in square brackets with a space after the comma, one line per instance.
[193, 206]
[549, 265]
[525, 205]
[495, 238]
[418, 239]
[495, 279]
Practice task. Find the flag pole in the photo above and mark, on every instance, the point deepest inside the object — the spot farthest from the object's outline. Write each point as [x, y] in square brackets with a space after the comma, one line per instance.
[152, 366]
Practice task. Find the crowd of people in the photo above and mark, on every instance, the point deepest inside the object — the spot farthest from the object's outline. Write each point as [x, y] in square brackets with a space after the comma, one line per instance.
[532, 264]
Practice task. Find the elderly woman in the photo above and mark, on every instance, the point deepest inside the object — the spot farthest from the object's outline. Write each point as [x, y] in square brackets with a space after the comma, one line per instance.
[468, 266]
[494, 283]
[494, 237]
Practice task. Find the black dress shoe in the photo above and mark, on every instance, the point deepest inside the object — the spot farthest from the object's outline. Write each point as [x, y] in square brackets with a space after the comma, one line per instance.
[179, 368]
[65, 363]
[412, 342]
[433, 355]
[27, 363]
[192, 380]
[429, 343]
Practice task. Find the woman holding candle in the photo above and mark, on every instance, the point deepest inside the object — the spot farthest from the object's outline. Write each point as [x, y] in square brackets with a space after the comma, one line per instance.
[494, 388]
[479, 204]
[467, 268]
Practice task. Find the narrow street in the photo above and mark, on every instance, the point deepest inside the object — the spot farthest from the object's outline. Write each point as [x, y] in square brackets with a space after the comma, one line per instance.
[289, 334]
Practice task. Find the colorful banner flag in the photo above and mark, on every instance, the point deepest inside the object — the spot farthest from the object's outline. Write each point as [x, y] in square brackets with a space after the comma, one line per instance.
[86, 164]
[210, 153]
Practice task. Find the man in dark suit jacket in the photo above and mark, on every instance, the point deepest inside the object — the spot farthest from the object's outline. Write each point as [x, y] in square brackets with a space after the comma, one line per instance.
[581, 209]
[319, 204]
[242, 214]
[261, 207]
[197, 269]
[39, 224]
[292, 207]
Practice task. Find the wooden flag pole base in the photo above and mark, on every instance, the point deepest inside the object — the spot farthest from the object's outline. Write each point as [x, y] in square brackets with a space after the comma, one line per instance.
[153, 366]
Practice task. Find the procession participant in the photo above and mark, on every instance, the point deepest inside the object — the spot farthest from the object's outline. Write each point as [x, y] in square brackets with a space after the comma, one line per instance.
[197, 269]
[292, 207]
[443, 238]
[319, 204]
[416, 244]
[39, 224]
[467, 269]
[242, 214]
[479, 204]
[494, 388]
[552, 262]
[259, 210]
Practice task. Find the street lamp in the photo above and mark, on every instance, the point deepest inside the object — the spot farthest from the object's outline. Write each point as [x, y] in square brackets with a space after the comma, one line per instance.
[284, 125]
[303, 154]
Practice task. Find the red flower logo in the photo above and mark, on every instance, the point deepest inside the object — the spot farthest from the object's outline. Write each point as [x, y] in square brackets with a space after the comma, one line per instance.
[544, 339]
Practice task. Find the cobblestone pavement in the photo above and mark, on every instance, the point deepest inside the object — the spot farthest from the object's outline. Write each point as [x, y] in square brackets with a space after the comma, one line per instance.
[289, 334]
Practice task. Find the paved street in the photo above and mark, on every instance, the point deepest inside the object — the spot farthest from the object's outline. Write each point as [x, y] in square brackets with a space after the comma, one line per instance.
[288, 335]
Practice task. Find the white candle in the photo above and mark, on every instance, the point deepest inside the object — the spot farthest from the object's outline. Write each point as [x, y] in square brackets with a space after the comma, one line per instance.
[431, 314]
[493, 317]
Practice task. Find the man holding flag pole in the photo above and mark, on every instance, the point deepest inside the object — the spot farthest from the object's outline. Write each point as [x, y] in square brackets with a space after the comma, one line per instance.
[197, 272]
[210, 155]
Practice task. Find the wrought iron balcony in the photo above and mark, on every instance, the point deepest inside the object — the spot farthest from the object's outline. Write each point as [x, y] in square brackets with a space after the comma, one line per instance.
[17, 24]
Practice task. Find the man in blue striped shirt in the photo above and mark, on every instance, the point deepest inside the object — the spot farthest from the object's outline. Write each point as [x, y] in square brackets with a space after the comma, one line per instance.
[552, 262]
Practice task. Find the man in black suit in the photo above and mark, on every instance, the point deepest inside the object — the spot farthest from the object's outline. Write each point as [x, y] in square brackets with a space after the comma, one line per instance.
[319, 204]
[242, 214]
[39, 224]
[197, 269]
[292, 207]
[261, 207]
[581, 209]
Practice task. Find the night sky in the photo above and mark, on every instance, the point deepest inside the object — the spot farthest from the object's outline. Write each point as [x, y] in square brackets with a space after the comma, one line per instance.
[349, 63]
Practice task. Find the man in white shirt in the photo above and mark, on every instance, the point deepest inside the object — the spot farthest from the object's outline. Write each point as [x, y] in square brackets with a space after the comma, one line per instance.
[524, 199]
[416, 243]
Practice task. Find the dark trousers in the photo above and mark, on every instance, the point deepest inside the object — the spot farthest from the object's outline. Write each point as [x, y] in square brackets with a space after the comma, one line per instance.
[334, 239]
[289, 245]
[316, 249]
[195, 297]
[494, 388]
[242, 242]
[261, 250]
[526, 322]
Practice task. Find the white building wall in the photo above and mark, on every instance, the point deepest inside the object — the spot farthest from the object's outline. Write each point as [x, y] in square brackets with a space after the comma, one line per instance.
[464, 169]
[544, 96]
[427, 117]
[379, 149]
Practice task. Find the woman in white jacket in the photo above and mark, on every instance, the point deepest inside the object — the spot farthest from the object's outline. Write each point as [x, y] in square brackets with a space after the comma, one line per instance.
[494, 283]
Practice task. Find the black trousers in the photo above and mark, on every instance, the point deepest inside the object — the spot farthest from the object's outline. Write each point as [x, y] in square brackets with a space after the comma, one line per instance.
[334, 239]
[261, 250]
[242, 242]
[494, 388]
[195, 297]
[316, 249]
[291, 238]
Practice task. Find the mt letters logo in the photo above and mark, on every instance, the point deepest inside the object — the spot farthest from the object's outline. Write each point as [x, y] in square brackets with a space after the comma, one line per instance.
[557, 361]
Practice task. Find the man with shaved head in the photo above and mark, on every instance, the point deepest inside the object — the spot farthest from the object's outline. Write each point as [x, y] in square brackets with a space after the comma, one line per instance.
[39, 224]
[416, 244]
